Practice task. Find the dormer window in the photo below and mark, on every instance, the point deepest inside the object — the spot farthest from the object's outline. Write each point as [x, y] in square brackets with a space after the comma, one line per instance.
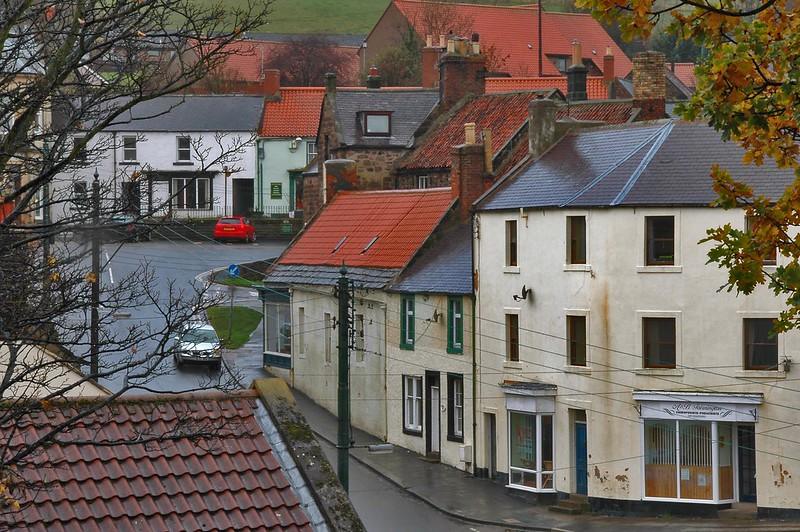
[377, 124]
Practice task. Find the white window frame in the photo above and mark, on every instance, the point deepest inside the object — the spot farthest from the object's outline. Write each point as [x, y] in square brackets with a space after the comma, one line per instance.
[677, 314]
[458, 408]
[766, 373]
[412, 399]
[38, 204]
[510, 268]
[187, 151]
[539, 472]
[569, 368]
[568, 265]
[328, 340]
[311, 150]
[180, 187]
[126, 151]
[676, 266]
[423, 181]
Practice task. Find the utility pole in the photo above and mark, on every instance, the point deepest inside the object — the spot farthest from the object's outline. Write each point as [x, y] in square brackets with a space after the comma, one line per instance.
[94, 360]
[343, 440]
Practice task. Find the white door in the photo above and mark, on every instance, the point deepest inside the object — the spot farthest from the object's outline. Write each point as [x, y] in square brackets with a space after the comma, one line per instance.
[435, 409]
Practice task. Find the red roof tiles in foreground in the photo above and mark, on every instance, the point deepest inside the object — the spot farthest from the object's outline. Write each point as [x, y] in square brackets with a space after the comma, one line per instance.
[228, 480]
[595, 88]
[296, 114]
[502, 114]
[610, 112]
[400, 219]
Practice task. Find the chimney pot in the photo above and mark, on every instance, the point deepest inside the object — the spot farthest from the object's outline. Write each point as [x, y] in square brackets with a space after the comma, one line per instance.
[469, 133]
[429, 41]
[330, 82]
[541, 126]
[577, 58]
[609, 72]
[442, 41]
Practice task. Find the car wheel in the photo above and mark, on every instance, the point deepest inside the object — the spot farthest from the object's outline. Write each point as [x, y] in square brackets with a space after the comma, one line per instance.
[178, 362]
[253, 240]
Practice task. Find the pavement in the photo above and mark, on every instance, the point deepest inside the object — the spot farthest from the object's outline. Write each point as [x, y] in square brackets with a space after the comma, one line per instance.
[483, 502]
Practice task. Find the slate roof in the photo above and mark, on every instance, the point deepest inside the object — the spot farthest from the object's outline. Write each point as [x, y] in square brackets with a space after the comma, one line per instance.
[659, 163]
[443, 266]
[230, 479]
[291, 274]
[511, 30]
[296, 114]
[371, 229]
[409, 108]
[595, 88]
[221, 112]
[502, 114]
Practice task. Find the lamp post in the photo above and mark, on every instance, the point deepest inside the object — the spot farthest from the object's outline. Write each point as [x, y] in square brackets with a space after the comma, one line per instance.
[227, 172]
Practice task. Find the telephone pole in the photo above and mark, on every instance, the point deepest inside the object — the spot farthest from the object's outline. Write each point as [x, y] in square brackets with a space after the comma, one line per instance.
[343, 440]
[94, 360]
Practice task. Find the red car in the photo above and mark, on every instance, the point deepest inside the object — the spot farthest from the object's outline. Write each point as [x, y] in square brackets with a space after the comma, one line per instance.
[235, 227]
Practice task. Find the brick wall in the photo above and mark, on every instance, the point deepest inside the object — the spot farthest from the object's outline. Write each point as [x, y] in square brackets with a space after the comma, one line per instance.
[460, 76]
[468, 175]
[312, 195]
[649, 85]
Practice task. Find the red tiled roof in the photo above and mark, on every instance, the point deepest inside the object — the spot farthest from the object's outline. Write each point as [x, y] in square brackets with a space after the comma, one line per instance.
[610, 112]
[296, 114]
[230, 480]
[684, 72]
[595, 89]
[401, 219]
[502, 114]
[511, 30]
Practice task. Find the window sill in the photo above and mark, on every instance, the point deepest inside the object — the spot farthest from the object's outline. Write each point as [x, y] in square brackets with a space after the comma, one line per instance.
[668, 372]
[412, 432]
[406, 347]
[583, 370]
[512, 364]
[128, 163]
[455, 351]
[659, 269]
[760, 374]
[457, 439]
[577, 267]
[510, 269]
[183, 163]
[534, 490]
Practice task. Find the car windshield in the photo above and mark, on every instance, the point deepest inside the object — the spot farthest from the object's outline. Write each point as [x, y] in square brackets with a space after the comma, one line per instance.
[199, 336]
[230, 221]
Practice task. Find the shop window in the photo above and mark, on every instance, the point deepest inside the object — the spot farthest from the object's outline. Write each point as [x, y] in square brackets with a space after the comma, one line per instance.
[455, 325]
[279, 328]
[531, 451]
[760, 344]
[660, 240]
[191, 193]
[455, 408]
[511, 243]
[407, 322]
[660, 462]
[576, 340]
[658, 342]
[576, 239]
[512, 337]
[412, 405]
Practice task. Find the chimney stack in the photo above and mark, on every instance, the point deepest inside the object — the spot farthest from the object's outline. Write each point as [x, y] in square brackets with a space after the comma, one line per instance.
[609, 75]
[468, 172]
[338, 174]
[462, 71]
[330, 82]
[576, 75]
[650, 85]
[373, 78]
[541, 126]
[271, 84]
[430, 63]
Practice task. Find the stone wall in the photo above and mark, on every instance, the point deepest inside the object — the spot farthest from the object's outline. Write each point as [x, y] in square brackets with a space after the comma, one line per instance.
[439, 178]
[375, 165]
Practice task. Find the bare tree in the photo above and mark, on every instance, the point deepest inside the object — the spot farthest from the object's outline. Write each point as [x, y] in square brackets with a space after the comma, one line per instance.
[78, 67]
[443, 18]
[304, 61]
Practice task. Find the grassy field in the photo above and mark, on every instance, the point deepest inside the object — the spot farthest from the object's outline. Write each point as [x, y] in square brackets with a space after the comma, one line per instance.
[354, 17]
[245, 321]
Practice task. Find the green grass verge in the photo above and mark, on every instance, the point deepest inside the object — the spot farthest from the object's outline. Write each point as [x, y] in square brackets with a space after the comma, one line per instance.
[245, 320]
[235, 281]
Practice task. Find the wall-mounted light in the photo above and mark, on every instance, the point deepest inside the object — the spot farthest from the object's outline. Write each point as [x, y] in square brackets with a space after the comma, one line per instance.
[523, 295]
[294, 143]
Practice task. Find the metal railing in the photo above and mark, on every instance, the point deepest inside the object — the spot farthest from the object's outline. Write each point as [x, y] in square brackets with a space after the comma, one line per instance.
[218, 211]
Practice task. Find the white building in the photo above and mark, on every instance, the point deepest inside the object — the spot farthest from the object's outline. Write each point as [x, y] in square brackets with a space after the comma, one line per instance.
[189, 156]
[611, 365]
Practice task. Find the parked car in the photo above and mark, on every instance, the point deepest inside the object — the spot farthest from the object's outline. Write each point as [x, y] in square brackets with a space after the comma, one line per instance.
[198, 344]
[127, 228]
[235, 227]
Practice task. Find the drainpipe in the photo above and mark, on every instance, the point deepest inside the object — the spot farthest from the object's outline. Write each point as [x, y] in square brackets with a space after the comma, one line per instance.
[385, 375]
[474, 396]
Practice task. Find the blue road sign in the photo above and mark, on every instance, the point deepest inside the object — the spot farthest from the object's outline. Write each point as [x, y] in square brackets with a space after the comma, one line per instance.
[233, 270]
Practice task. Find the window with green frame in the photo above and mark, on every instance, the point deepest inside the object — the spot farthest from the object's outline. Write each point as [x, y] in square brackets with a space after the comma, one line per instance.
[455, 325]
[407, 322]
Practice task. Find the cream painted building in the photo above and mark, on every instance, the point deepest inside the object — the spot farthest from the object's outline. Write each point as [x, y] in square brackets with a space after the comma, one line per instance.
[611, 365]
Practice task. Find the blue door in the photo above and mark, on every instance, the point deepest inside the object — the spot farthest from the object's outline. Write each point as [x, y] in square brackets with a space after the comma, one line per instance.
[581, 465]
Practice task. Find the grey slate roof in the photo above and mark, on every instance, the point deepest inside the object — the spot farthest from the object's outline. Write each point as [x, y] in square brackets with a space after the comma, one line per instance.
[329, 275]
[409, 108]
[661, 163]
[443, 267]
[222, 112]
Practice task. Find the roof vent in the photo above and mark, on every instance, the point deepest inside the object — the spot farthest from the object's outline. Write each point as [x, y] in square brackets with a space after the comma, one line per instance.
[341, 242]
[374, 239]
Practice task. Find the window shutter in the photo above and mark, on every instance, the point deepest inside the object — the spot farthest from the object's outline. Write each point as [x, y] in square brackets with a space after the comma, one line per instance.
[451, 318]
[403, 310]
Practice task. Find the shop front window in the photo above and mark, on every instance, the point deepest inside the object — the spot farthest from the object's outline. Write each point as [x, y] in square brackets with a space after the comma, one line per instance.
[531, 452]
[279, 328]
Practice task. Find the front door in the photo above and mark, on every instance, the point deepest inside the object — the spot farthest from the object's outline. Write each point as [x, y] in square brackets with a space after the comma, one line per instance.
[242, 196]
[747, 462]
[581, 462]
[432, 411]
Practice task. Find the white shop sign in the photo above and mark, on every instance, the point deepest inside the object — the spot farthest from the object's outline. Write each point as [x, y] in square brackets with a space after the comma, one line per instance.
[699, 411]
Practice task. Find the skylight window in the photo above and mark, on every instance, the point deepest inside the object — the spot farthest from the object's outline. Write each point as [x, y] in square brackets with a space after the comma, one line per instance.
[340, 244]
[374, 239]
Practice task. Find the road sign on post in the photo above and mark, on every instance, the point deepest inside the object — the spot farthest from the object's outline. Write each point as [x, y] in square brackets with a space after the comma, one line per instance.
[233, 270]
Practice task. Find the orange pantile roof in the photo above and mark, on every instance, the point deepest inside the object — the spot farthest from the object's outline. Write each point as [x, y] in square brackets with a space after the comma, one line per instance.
[296, 114]
[684, 72]
[610, 112]
[401, 219]
[595, 88]
[511, 30]
[502, 114]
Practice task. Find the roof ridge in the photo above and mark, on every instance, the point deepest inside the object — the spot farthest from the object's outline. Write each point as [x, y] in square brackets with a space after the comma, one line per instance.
[528, 7]
[394, 191]
[659, 141]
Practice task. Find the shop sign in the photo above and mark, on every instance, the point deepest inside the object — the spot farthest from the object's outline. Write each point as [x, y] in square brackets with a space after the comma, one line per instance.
[699, 411]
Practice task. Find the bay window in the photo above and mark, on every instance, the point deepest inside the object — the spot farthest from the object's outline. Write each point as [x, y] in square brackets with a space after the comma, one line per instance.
[531, 451]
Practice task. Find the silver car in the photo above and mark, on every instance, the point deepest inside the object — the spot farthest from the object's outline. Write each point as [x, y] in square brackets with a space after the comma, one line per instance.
[198, 344]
